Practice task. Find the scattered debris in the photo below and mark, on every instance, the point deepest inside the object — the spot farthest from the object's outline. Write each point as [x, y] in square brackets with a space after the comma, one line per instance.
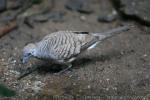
[31, 87]
[27, 72]
[89, 86]
[37, 86]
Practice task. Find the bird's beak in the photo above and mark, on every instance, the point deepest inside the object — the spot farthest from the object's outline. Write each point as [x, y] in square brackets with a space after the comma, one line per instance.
[25, 60]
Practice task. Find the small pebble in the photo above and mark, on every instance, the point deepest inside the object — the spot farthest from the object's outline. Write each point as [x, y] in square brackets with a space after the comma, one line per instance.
[107, 89]
[107, 79]
[16, 48]
[122, 53]
[114, 12]
[14, 72]
[115, 88]
[74, 83]
[2, 59]
[83, 18]
[145, 55]
[14, 61]
[89, 86]
[70, 76]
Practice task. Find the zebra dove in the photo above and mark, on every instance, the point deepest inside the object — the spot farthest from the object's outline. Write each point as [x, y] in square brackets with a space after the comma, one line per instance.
[63, 47]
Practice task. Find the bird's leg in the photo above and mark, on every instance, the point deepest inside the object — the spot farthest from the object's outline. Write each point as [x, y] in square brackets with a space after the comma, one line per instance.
[64, 70]
[27, 72]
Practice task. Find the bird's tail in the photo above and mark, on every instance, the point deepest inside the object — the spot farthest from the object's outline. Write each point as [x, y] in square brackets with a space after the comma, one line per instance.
[111, 33]
[103, 36]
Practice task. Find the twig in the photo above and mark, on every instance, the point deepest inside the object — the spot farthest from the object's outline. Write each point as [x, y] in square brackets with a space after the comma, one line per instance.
[7, 28]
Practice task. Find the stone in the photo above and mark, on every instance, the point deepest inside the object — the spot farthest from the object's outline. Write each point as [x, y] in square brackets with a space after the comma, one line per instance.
[2, 5]
[137, 9]
[82, 6]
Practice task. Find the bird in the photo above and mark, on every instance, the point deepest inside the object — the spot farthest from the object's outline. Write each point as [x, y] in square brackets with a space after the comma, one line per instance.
[63, 47]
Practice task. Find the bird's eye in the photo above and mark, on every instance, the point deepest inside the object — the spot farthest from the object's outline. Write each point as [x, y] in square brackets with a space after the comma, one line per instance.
[29, 54]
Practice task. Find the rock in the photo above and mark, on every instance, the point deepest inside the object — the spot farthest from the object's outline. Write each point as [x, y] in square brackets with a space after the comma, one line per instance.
[29, 22]
[40, 18]
[13, 4]
[27, 17]
[2, 5]
[108, 18]
[82, 6]
[56, 16]
[44, 7]
[138, 8]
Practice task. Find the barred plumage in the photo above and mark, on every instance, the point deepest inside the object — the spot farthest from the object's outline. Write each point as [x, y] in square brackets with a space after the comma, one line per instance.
[64, 46]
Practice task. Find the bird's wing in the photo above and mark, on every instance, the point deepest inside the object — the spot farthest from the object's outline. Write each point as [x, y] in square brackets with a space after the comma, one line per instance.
[66, 45]
[87, 40]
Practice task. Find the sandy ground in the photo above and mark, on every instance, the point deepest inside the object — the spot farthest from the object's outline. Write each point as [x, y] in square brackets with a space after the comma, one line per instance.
[117, 67]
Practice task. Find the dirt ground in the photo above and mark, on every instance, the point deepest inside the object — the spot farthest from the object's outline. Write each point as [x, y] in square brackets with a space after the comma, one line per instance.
[117, 68]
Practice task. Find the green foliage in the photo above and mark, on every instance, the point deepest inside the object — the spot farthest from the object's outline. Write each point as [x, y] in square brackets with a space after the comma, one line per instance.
[4, 91]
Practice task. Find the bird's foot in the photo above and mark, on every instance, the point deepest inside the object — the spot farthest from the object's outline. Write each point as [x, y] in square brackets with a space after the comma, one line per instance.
[64, 70]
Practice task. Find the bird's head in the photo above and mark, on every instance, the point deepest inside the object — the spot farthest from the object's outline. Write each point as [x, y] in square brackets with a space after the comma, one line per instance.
[28, 52]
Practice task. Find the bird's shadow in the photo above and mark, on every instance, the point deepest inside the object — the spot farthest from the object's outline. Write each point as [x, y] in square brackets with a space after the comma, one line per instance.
[81, 62]
[56, 68]
[45, 67]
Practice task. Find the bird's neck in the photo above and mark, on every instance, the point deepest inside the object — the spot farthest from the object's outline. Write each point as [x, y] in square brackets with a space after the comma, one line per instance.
[42, 54]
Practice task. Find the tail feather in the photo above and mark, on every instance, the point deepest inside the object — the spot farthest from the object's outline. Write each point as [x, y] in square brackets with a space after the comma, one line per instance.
[111, 33]
[103, 36]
